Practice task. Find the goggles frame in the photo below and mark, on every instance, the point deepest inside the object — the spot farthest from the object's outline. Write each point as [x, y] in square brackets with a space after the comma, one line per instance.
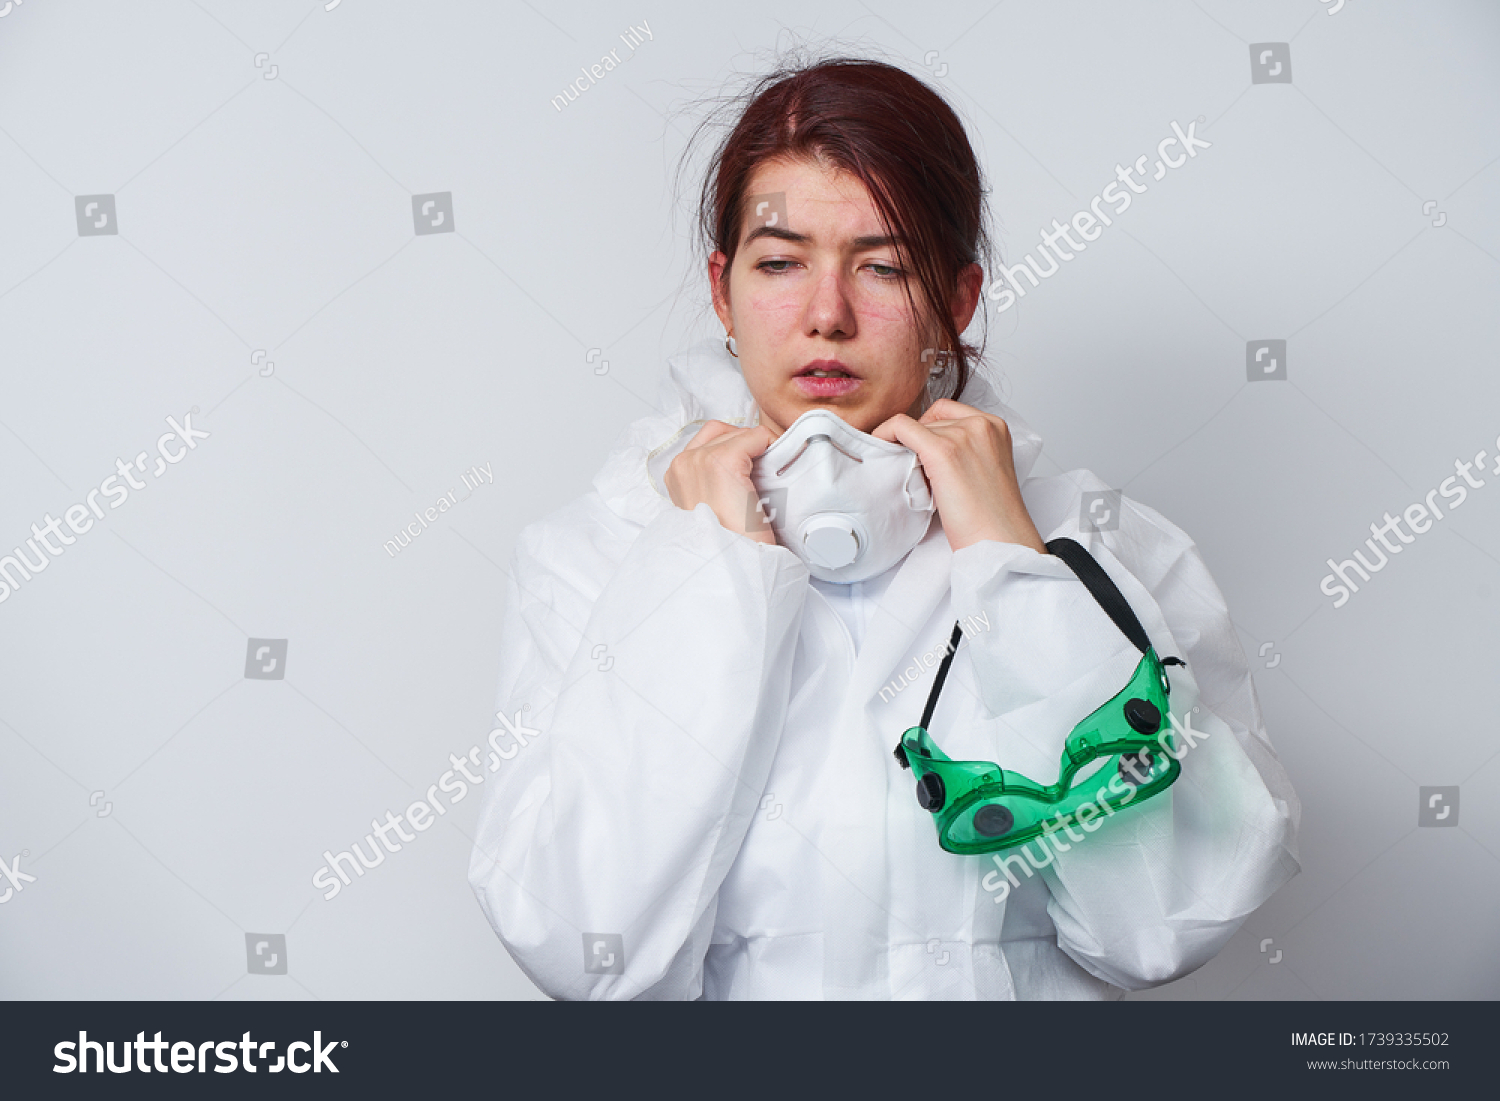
[980, 807]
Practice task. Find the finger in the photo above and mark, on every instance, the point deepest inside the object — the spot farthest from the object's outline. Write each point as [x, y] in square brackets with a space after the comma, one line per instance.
[708, 433]
[886, 430]
[968, 420]
[946, 409]
[746, 442]
[907, 432]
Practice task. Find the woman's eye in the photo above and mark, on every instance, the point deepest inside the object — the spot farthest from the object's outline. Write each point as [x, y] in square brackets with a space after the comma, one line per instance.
[886, 271]
[775, 267]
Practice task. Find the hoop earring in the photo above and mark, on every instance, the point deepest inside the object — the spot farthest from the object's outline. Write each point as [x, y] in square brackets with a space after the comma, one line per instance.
[942, 359]
[727, 348]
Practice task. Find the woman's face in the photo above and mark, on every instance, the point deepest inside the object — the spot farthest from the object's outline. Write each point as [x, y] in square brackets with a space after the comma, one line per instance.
[822, 290]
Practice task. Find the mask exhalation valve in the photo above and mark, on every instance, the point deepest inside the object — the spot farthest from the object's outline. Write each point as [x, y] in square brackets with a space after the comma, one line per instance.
[831, 541]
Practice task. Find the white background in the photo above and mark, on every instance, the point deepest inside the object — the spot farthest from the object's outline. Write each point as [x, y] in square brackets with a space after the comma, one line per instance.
[275, 213]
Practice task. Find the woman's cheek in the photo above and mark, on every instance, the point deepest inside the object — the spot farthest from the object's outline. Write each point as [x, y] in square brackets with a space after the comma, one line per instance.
[772, 310]
[885, 306]
[889, 329]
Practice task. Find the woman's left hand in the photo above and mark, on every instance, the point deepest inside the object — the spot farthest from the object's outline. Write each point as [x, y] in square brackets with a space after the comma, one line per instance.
[970, 465]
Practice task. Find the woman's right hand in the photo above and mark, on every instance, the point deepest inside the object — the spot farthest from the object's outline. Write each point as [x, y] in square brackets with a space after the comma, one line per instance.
[715, 469]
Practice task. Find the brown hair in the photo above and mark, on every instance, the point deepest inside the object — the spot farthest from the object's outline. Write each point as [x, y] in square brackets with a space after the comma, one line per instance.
[900, 138]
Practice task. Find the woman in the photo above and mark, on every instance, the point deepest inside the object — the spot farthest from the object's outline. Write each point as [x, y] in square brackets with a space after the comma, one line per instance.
[711, 807]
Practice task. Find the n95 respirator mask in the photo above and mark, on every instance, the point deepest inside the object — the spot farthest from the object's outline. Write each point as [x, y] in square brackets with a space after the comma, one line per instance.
[849, 505]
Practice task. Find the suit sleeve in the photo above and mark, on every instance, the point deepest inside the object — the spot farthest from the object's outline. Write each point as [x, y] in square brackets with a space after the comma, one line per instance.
[1157, 889]
[655, 674]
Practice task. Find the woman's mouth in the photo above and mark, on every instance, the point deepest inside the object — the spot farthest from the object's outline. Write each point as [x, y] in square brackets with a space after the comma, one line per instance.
[826, 379]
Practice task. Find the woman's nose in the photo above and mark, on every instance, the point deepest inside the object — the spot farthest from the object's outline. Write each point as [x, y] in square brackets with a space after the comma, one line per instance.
[829, 312]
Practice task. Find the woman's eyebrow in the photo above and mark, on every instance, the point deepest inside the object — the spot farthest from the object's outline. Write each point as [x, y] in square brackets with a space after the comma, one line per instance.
[779, 233]
[782, 234]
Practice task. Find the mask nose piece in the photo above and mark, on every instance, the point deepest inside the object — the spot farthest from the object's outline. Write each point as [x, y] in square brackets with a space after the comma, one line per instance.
[831, 540]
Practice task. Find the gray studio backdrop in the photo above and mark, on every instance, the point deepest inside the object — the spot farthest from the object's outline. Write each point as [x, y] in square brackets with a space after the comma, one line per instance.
[299, 270]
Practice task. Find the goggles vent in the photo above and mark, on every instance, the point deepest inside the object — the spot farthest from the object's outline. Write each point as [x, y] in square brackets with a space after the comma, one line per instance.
[1142, 715]
[930, 793]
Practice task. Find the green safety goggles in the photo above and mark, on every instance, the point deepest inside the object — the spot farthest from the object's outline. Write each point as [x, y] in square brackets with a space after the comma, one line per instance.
[979, 807]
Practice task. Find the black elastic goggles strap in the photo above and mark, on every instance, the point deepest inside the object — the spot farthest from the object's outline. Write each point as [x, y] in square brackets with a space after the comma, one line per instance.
[1103, 589]
[1099, 584]
[942, 675]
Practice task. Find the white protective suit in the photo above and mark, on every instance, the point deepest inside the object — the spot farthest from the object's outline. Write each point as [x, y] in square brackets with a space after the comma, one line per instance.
[713, 792]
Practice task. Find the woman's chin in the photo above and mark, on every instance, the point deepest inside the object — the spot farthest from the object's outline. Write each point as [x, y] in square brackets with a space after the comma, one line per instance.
[855, 410]
[851, 417]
